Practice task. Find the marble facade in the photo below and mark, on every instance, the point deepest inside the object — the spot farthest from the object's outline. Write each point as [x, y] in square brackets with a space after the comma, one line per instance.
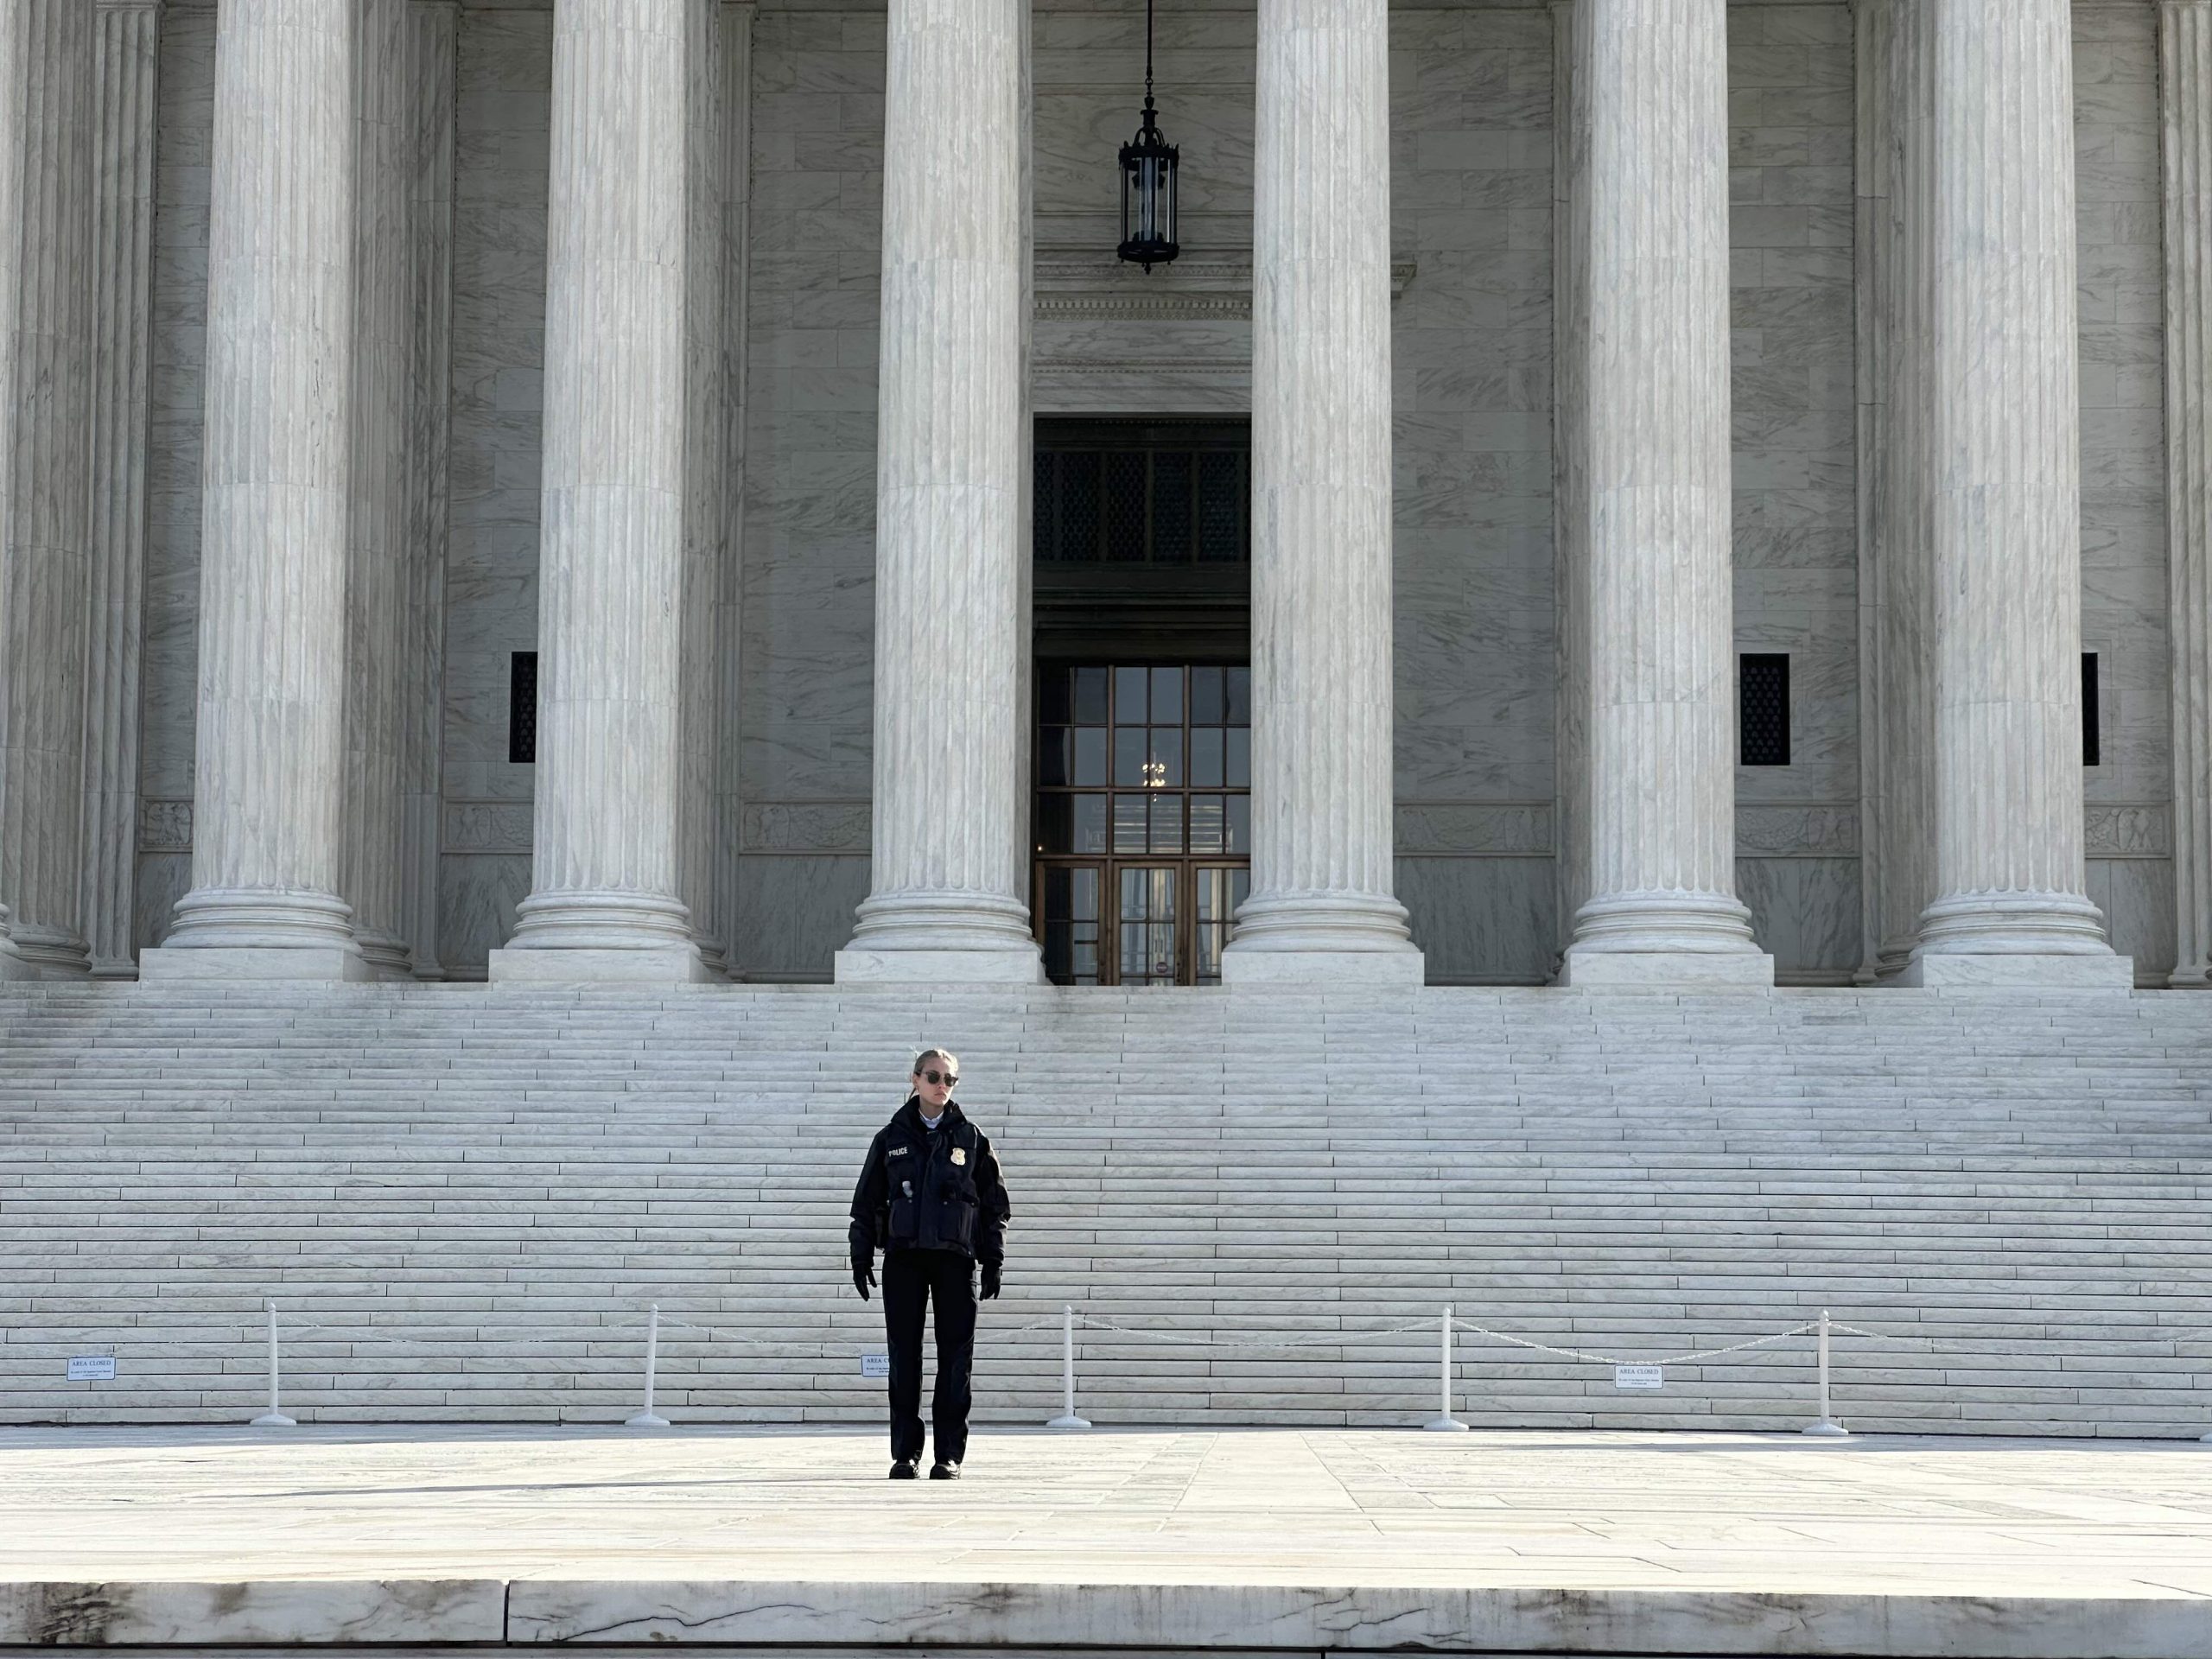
[773, 351]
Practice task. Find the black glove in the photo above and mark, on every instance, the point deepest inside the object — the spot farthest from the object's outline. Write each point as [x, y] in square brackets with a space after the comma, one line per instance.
[990, 1279]
[863, 1274]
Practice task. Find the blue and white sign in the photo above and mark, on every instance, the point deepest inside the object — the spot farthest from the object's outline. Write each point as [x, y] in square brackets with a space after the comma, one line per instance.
[875, 1364]
[92, 1368]
[1639, 1377]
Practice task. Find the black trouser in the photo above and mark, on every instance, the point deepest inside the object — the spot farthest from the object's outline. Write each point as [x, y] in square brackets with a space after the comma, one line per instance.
[911, 1279]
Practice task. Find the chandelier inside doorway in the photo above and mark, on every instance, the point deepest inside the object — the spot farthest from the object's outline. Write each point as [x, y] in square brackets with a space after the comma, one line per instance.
[1149, 163]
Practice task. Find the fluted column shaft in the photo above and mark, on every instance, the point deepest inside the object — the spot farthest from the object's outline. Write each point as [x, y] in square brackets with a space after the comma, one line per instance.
[2000, 426]
[1653, 86]
[126, 81]
[269, 775]
[611, 567]
[1896, 670]
[433, 42]
[1570, 493]
[737, 203]
[2185, 77]
[1322, 904]
[12, 965]
[45, 543]
[706, 492]
[379, 519]
[947, 900]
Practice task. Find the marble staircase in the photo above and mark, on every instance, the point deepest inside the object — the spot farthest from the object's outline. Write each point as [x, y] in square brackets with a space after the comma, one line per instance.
[471, 1192]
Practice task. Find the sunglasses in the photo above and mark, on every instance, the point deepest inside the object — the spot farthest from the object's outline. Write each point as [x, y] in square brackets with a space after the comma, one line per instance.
[948, 1079]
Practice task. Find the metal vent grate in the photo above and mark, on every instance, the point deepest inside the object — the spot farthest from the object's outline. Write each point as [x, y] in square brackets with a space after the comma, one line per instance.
[1138, 491]
[2092, 723]
[1763, 709]
[522, 709]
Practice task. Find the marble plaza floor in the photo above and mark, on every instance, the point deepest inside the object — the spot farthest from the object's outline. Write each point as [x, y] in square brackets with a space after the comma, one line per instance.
[1566, 1513]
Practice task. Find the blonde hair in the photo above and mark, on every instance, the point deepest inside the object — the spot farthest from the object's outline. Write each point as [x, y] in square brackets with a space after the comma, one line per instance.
[944, 1057]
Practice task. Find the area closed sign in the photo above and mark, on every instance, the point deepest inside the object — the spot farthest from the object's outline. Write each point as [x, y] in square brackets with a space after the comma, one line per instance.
[92, 1368]
[1639, 1377]
[875, 1364]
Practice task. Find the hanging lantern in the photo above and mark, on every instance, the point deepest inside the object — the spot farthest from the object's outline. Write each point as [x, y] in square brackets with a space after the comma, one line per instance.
[1148, 182]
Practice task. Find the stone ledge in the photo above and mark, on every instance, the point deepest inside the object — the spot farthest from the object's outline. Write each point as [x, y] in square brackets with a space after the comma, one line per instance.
[867, 1616]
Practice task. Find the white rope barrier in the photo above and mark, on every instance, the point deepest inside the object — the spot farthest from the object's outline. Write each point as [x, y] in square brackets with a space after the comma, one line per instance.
[1823, 1329]
[1671, 1359]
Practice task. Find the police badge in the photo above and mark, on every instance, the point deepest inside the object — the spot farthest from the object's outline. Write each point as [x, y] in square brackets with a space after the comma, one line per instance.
[960, 1154]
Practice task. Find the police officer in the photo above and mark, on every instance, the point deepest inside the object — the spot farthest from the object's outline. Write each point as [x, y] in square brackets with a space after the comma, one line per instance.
[930, 1197]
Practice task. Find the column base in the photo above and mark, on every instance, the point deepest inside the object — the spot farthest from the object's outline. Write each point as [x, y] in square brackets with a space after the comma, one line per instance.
[654, 964]
[179, 964]
[13, 969]
[1337, 927]
[1666, 970]
[2190, 979]
[2019, 972]
[386, 956]
[52, 953]
[1404, 969]
[920, 935]
[280, 933]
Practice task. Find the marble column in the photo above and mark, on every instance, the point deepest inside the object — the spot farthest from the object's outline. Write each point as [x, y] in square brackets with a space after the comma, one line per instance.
[2185, 80]
[737, 246]
[46, 556]
[12, 965]
[1999, 417]
[269, 778]
[1570, 493]
[433, 42]
[1653, 87]
[705, 488]
[947, 900]
[1897, 720]
[126, 74]
[378, 517]
[1321, 907]
[605, 902]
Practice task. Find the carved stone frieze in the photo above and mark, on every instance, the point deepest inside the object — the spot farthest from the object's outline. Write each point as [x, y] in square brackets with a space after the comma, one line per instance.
[164, 826]
[2130, 832]
[1474, 828]
[806, 827]
[1796, 831]
[488, 827]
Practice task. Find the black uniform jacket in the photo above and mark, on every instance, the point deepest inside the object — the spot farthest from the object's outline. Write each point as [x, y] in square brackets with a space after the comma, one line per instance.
[938, 1191]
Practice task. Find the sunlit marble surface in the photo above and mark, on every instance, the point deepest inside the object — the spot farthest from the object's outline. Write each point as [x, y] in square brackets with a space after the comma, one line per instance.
[1249, 1537]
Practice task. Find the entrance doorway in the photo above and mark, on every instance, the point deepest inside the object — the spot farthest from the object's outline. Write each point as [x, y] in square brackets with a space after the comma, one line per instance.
[1144, 819]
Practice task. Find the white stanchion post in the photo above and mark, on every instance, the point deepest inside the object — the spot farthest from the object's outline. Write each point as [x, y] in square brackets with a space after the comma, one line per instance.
[1067, 1419]
[1445, 1422]
[274, 1417]
[1827, 1429]
[647, 1418]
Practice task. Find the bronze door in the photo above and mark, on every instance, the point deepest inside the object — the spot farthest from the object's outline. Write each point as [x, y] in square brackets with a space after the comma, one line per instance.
[1143, 820]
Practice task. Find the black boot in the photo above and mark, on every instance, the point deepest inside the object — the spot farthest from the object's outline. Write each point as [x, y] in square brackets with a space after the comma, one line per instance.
[904, 1468]
[943, 1470]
